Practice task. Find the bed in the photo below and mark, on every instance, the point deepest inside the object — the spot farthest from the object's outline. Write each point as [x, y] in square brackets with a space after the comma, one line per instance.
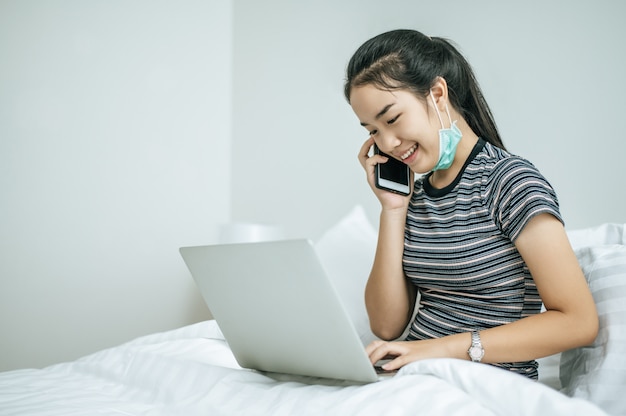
[191, 370]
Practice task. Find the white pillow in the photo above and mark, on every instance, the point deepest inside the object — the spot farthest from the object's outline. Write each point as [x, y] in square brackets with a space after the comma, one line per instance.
[600, 235]
[598, 372]
[346, 252]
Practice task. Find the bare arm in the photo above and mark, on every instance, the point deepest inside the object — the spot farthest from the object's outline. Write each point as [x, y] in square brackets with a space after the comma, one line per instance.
[570, 320]
[389, 299]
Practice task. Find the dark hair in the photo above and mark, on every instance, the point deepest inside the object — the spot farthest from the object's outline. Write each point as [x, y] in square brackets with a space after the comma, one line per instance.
[408, 59]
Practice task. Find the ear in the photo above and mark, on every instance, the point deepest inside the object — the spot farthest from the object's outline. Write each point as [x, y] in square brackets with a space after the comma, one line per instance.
[439, 91]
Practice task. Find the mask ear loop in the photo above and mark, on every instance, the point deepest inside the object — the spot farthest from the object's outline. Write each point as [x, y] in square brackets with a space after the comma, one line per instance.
[437, 110]
[448, 112]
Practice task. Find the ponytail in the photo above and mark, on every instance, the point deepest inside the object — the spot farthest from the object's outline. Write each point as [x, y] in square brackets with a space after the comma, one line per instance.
[407, 59]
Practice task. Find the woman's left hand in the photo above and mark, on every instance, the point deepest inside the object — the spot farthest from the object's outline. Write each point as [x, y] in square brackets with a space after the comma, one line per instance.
[403, 352]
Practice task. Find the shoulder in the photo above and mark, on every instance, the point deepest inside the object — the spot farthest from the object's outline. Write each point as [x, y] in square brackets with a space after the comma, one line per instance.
[515, 191]
[502, 170]
[499, 160]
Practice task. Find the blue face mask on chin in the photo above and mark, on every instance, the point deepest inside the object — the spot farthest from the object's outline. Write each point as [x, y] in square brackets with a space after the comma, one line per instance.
[448, 140]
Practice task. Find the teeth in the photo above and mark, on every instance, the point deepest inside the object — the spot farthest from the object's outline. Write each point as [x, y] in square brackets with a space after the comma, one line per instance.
[408, 152]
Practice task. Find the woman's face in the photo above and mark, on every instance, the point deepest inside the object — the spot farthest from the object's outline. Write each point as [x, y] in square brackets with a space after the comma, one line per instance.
[401, 125]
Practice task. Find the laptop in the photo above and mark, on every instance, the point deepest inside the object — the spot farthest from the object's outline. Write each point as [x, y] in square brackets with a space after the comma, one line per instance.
[278, 310]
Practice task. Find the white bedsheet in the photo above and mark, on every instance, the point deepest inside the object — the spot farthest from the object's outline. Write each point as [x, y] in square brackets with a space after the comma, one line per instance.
[190, 371]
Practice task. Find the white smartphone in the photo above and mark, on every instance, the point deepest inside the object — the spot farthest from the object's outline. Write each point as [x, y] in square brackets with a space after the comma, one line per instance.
[392, 176]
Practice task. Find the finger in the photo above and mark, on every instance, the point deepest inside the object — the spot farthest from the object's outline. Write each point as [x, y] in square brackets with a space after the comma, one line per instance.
[372, 161]
[396, 354]
[365, 150]
[366, 146]
[372, 346]
[384, 350]
[395, 364]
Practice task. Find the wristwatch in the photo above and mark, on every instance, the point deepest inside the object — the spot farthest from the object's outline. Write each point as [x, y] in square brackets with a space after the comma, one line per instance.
[476, 351]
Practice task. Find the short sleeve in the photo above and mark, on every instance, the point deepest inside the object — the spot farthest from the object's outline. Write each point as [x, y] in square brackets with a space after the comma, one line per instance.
[516, 192]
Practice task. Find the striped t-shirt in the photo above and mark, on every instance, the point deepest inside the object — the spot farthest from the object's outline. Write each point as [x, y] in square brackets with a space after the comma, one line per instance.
[459, 250]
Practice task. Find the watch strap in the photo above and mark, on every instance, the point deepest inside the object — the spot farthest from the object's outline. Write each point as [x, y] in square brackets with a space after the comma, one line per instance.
[476, 351]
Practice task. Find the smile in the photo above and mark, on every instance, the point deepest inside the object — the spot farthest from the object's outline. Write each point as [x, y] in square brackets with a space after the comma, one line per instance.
[409, 152]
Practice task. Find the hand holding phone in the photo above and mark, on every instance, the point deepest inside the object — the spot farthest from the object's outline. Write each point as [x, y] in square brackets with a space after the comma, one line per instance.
[393, 175]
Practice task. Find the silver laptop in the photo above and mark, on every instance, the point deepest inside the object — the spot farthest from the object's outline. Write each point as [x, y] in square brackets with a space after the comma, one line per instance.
[278, 310]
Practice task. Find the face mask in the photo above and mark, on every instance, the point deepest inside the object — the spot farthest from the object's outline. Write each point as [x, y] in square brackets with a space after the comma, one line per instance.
[448, 140]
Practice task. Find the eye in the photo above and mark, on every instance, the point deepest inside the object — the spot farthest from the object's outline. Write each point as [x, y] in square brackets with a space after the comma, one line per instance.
[393, 120]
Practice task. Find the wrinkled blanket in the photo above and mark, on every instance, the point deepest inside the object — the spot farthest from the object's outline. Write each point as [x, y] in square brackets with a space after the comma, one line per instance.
[191, 371]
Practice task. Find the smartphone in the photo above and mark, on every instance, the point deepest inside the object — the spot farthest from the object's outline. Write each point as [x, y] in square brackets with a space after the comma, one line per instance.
[392, 176]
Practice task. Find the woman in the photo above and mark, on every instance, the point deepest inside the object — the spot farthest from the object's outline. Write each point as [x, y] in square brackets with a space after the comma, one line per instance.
[480, 238]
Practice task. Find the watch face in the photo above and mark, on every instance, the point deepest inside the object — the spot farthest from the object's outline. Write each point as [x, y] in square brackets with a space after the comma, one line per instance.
[476, 353]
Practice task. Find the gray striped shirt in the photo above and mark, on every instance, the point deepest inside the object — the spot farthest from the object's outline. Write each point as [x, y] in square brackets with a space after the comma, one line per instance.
[459, 250]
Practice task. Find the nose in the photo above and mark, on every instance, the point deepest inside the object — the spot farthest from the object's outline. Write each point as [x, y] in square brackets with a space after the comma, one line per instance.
[387, 142]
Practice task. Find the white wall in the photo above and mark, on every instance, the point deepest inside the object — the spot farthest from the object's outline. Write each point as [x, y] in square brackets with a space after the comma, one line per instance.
[115, 126]
[552, 72]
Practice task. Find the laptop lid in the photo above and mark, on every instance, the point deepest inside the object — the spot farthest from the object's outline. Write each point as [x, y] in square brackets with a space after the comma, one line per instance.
[278, 310]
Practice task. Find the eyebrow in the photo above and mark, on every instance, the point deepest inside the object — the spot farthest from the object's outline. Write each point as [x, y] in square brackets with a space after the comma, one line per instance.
[380, 113]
